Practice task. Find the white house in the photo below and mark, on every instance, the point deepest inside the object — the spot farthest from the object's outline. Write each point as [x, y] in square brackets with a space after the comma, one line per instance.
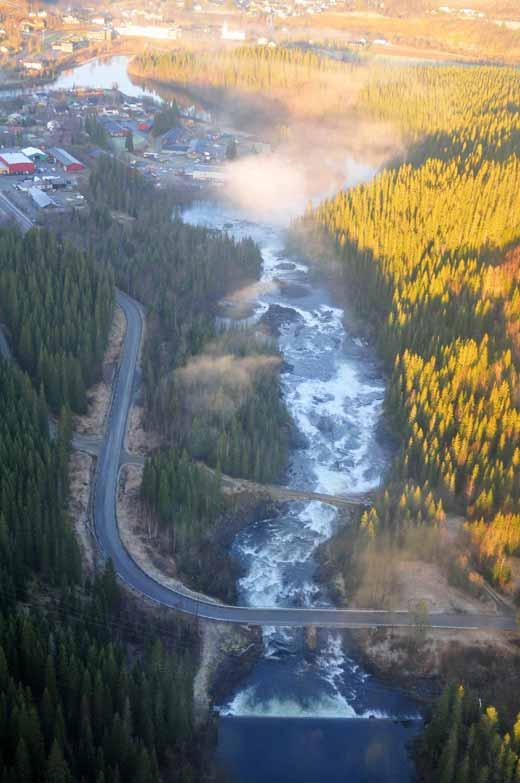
[232, 35]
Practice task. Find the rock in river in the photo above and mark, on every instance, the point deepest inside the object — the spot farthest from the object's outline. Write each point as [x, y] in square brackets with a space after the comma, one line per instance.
[277, 316]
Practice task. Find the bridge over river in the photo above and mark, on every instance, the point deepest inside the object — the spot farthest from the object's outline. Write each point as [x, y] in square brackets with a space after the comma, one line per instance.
[240, 486]
[280, 493]
[110, 455]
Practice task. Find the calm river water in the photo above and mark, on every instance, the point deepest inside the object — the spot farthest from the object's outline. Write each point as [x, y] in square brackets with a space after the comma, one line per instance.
[304, 716]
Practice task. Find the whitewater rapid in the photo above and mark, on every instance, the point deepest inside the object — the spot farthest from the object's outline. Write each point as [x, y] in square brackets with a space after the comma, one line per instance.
[334, 390]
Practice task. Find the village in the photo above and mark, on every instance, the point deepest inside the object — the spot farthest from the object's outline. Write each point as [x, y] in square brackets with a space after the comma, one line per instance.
[49, 140]
[39, 40]
[36, 43]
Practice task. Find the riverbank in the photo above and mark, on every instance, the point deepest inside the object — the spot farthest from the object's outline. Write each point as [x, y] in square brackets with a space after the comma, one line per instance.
[208, 570]
[90, 54]
[424, 661]
[420, 660]
[228, 655]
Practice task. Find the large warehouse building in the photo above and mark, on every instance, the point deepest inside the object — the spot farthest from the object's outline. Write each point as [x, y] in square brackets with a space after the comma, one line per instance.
[16, 163]
[64, 159]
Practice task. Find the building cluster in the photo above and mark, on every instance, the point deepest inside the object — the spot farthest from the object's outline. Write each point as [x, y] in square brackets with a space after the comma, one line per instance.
[43, 152]
[51, 34]
[50, 139]
[280, 9]
[60, 33]
[469, 13]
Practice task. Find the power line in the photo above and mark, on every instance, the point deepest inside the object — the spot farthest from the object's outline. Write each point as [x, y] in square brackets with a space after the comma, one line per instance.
[66, 610]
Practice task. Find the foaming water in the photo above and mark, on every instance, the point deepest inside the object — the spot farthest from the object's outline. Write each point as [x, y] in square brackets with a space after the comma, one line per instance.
[245, 705]
[303, 715]
[334, 389]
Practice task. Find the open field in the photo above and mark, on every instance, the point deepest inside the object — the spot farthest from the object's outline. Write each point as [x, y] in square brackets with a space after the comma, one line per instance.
[431, 38]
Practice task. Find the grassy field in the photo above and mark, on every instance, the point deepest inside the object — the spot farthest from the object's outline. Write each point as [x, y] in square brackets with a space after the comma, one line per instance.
[436, 37]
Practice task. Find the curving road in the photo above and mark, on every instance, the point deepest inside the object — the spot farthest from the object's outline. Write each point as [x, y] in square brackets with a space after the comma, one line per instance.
[112, 455]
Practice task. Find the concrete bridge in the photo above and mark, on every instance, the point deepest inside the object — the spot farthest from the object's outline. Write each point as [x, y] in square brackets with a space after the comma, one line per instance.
[111, 455]
[239, 486]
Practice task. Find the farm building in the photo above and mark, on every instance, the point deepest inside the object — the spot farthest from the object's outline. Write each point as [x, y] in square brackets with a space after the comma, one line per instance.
[64, 159]
[17, 163]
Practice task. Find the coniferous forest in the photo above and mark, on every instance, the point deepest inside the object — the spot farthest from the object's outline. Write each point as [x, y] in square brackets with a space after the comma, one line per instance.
[73, 709]
[213, 397]
[466, 743]
[185, 496]
[181, 503]
[35, 535]
[428, 254]
[180, 272]
[57, 304]
[86, 692]
[227, 409]
[72, 706]
[251, 68]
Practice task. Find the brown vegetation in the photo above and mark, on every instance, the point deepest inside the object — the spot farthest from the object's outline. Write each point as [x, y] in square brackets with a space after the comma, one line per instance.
[423, 568]
[81, 474]
[98, 396]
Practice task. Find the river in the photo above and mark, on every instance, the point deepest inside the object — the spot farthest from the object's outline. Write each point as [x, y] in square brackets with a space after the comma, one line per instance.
[300, 715]
[105, 73]
[304, 716]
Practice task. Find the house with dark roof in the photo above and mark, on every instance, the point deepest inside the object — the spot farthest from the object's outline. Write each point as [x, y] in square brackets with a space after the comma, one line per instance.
[175, 138]
[114, 128]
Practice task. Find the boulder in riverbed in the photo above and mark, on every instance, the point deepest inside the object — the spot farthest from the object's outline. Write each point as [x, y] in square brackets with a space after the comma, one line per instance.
[278, 316]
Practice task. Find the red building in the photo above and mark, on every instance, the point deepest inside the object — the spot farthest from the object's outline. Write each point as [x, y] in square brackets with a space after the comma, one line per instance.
[16, 163]
[64, 159]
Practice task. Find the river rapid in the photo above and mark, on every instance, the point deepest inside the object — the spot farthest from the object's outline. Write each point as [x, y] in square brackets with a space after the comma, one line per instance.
[303, 716]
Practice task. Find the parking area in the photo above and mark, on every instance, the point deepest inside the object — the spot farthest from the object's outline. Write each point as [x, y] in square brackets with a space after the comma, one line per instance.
[60, 190]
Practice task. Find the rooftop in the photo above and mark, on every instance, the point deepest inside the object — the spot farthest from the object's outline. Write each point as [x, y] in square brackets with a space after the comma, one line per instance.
[40, 197]
[29, 151]
[63, 156]
[12, 158]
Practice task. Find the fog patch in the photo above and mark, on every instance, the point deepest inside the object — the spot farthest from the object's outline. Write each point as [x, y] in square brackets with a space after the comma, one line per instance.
[313, 162]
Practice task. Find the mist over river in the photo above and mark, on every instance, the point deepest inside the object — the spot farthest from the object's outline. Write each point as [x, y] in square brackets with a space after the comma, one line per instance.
[306, 715]
[302, 716]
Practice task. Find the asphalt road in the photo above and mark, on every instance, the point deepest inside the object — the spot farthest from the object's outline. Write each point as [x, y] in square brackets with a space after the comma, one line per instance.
[107, 533]
[112, 455]
[7, 206]
[5, 350]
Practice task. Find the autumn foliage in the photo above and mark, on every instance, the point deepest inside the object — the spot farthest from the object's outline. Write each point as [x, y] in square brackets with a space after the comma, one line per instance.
[429, 252]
